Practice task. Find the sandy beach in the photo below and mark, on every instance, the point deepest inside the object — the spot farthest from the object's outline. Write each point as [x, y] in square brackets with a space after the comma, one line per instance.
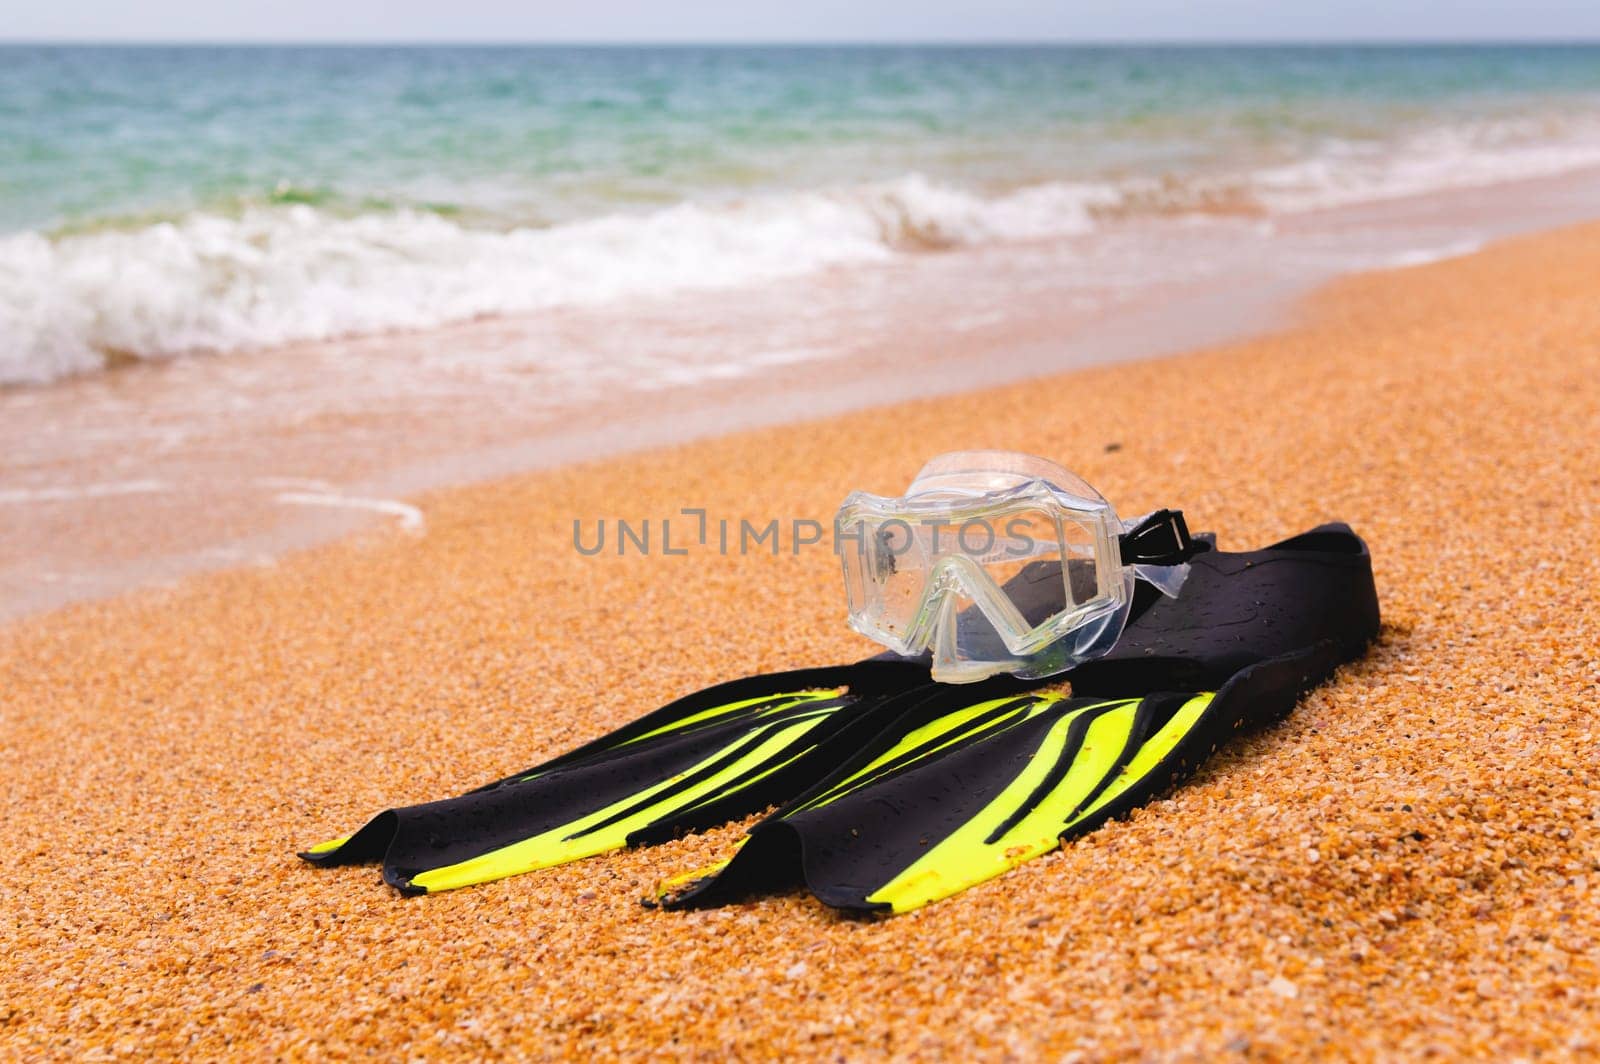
[1407, 867]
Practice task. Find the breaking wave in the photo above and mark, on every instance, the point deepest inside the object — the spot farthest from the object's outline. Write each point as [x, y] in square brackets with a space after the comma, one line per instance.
[276, 274]
[75, 302]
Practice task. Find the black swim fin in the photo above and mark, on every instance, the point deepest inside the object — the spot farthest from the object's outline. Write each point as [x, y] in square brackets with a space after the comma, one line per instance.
[953, 793]
[713, 756]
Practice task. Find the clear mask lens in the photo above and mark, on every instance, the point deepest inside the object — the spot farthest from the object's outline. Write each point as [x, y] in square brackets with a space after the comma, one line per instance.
[992, 562]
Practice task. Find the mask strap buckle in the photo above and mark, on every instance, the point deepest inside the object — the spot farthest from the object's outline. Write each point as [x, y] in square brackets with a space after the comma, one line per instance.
[1160, 539]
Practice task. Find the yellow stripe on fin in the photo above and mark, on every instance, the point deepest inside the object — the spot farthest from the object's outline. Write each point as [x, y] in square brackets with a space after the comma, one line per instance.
[792, 699]
[1150, 754]
[965, 857]
[331, 844]
[676, 884]
[574, 839]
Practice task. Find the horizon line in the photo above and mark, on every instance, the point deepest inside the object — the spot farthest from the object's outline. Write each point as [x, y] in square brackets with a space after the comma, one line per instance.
[819, 42]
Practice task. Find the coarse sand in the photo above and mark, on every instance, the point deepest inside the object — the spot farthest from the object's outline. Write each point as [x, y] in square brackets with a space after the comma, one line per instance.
[1409, 866]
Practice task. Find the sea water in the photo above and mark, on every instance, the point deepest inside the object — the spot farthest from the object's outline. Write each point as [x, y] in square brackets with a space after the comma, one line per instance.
[161, 202]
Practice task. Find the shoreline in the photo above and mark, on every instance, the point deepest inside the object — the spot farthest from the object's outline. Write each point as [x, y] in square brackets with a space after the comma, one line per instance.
[146, 475]
[1402, 868]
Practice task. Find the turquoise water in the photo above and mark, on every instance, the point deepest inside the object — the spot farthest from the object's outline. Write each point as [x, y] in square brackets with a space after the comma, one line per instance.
[536, 135]
[159, 201]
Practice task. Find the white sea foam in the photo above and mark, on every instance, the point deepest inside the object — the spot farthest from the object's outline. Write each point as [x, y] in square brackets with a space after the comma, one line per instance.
[1472, 155]
[1426, 256]
[411, 518]
[72, 492]
[75, 302]
[208, 283]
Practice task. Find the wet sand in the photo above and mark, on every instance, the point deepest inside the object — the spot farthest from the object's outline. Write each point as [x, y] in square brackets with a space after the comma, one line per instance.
[142, 475]
[1407, 866]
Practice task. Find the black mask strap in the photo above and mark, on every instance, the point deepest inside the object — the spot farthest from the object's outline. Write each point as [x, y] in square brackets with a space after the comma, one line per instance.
[1160, 539]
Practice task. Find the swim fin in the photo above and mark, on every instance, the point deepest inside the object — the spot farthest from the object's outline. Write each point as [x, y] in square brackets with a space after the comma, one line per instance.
[952, 793]
[713, 756]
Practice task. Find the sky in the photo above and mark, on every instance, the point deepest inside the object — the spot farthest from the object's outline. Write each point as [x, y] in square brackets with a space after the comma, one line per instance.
[798, 20]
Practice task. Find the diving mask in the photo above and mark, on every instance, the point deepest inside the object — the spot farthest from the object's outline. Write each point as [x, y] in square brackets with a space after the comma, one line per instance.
[997, 562]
